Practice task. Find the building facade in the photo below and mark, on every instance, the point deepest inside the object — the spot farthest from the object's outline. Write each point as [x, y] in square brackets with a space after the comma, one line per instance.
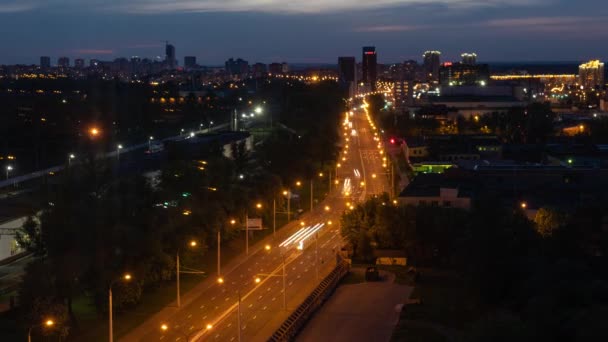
[432, 60]
[369, 66]
[591, 74]
[45, 62]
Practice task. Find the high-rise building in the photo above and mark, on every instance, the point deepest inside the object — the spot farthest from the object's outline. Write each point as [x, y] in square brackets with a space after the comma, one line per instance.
[275, 68]
[63, 62]
[431, 65]
[469, 58]
[347, 69]
[237, 67]
[170, 60]
[461, 74]
[284, 67]
[591, 74]
[189, 62]
[79, 63]
[403, 93]
[258, 69]
[369, 66]
[45, 62]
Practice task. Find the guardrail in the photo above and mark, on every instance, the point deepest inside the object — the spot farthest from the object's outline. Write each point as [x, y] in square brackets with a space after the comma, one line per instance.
[296, 321]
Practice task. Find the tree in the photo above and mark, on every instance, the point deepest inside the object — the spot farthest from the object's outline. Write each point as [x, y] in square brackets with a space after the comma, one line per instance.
[548, 220]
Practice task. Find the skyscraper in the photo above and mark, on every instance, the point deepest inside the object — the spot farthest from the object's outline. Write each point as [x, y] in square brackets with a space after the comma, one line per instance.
[79, 63]
[591, 74]
[347, 69]
[469, 58]
[237, 67]
[63, 62]
[45, 62]
[463, 74]
[370, 65]
[189, 62]
[170, 60]
[431, 65]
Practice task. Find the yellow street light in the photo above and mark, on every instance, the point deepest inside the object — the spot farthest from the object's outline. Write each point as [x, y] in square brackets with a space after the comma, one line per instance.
[49, 323]
[259, 205]
[257, 280]
[327, 208]
[362, 183]
[298, 183]
[302, 223]
[373, 175]
[186, 212]
[524, 205]
[232, 222]
[94, 131]
[220, 280]
[209, 326]
[329, 222]
[164, 327]
[267, 247]
[193, 243]
[285, 193]
[320, 174]
[127, 276]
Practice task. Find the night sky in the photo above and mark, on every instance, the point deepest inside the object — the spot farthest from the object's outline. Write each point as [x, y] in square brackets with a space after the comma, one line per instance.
[305, 31]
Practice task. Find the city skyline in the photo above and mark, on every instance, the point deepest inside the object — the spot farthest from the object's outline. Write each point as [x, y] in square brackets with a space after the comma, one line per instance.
[304, 32]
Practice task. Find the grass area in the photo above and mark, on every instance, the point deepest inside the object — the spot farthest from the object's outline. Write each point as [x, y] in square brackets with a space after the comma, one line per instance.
[447, 303]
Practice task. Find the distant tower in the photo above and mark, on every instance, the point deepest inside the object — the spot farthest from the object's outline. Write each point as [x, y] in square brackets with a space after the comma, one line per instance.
[369, 66]
[347, 69]
[79, 63]
[431, 65]
[591, 74]
[170, 56]
[45, 62]
[469, 58]
[63, 62]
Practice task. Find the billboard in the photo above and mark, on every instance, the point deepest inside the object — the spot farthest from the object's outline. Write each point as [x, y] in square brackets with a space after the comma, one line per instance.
[254, 224]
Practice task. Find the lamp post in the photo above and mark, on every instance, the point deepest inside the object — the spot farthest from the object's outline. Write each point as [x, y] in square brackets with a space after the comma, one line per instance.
[9, 168]
[192, 244]
[150, 142]
[49, 323]
[258, 206]
[287, 193]
[284, 276]
[118, 148]
[125, 277]
[70, 157]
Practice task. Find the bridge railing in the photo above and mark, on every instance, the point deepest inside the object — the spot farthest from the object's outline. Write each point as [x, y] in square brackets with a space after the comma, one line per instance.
[296, 321]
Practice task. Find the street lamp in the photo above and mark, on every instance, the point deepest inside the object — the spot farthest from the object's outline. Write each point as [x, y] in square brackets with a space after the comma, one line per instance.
[125, 277]
[118, 148]
[9, 168]
[150, 142]
[284, 276]
[192, 244]
[70, 157]
[258, 206]
[49, 323]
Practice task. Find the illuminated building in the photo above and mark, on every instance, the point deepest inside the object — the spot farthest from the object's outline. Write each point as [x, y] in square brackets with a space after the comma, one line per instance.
[431, 65]
[347, 69]
[469, 58]
[591, 74]
[189, 62]
[403, 93]
[170, 60]
[369, 66]
[63, 62]
[459, 74]
[45, 62]
[79, 63]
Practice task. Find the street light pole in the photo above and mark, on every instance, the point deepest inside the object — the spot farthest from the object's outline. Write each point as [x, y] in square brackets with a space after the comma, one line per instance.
[274, 217]
[111, 328]
[317, 255]
[247, 233]
[284, 287]
[177, 271]
[238, 317]
[219, 242]
[119, 147]
[311, 198]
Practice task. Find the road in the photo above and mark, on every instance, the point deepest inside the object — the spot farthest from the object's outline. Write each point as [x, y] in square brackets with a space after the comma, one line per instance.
[212, 315]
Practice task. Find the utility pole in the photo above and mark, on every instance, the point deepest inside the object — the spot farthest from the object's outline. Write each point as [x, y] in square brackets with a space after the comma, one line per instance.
[177, 265]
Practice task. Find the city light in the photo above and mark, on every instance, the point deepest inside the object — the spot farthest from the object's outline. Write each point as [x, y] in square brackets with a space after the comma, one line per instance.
[127, 277]
[49, 323]
[94, 131]
[220, 280]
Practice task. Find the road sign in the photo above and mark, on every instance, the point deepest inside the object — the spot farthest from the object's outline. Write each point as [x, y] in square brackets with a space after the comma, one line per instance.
[254, 224]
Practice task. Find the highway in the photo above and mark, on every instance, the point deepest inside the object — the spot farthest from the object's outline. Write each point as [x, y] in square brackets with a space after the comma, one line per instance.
[212, 315]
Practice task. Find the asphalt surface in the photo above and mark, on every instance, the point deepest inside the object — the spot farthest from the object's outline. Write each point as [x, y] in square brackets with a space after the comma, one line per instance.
[359, 312]
[211, 315]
